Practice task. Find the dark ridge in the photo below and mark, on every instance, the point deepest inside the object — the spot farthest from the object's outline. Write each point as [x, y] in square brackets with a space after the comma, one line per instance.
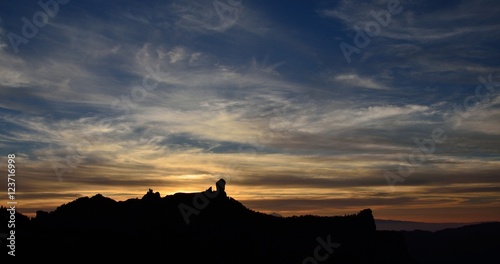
[203, 227]
[476, 243]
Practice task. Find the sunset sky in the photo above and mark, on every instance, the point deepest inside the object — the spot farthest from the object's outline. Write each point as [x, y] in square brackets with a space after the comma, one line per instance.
[304, 107]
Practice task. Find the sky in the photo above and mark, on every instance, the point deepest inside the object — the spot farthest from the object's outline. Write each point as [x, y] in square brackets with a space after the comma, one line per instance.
[303, 107]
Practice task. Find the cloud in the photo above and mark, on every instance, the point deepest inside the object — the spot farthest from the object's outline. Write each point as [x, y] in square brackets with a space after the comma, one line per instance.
[430, 41]
[478, 119]
[206, 16]
[11, 71]
[449, 21]
[357, 81]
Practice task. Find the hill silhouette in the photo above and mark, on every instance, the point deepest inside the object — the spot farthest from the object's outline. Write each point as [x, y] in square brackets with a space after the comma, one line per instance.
[398, 225]
[206, 227]
[477, 243]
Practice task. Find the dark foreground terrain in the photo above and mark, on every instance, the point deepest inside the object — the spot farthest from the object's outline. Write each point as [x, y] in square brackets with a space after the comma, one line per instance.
[210, 227]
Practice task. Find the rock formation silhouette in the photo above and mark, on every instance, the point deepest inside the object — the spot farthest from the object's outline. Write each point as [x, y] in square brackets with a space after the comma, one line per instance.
[222, 231]
[221, 186]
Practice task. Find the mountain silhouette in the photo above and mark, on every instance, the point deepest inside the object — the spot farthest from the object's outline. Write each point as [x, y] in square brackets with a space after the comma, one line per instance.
[476, 243]
[211, 227]
[398, 225]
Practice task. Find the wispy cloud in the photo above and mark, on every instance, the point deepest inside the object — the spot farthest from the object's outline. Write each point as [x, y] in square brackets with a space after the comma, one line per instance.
[355, 80]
